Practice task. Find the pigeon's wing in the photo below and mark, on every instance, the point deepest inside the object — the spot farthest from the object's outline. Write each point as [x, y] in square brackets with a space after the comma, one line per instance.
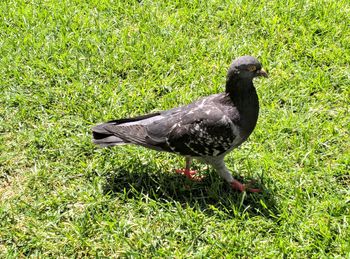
[198, 129]
[202, 130]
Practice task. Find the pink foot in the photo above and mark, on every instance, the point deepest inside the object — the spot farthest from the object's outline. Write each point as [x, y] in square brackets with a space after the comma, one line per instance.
[238, 186]
[190, 174]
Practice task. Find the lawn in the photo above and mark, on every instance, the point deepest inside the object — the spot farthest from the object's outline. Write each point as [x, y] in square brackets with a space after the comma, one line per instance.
[68, 65]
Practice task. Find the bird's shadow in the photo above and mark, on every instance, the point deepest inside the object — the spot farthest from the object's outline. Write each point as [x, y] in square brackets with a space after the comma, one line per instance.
[209, 195]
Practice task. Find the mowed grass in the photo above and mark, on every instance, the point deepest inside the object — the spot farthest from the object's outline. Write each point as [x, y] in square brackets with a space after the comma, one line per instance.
[67, 65]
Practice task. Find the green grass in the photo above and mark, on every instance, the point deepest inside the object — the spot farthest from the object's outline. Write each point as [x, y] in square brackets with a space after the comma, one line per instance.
[67, 65]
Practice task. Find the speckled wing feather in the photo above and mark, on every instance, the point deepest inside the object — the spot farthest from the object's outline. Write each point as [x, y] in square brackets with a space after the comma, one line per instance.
[203, 128]
[200, 129]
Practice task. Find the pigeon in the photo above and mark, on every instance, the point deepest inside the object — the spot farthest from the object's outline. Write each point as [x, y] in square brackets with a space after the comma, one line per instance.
[207, 129]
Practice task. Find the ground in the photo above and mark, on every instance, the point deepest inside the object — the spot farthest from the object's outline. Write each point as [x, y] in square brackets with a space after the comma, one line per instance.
[67, 65]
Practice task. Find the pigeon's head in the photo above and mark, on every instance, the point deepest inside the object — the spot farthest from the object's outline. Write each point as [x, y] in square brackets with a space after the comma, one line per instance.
[245, 67]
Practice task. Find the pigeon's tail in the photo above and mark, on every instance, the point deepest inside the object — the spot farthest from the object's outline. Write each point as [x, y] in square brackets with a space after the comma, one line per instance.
[122, 131]
[104, 138]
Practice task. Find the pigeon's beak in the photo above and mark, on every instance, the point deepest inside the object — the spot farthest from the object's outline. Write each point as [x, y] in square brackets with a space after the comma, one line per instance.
[262, 72]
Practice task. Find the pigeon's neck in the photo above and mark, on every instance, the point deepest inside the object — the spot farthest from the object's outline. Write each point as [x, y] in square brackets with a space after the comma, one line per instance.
[244, 97]
[240, 88]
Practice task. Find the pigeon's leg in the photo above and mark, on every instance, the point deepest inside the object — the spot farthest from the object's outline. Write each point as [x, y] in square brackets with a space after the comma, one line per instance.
[190, 174]
[222, 170]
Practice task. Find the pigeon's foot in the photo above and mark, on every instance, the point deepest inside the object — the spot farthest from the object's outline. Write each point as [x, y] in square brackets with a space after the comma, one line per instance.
[238, 186]
[190, 174]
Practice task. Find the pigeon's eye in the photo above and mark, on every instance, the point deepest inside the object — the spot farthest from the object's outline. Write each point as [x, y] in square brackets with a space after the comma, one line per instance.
[251, 68]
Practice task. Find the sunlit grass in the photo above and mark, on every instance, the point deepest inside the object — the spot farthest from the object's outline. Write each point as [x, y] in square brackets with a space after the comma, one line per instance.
[67, 65]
